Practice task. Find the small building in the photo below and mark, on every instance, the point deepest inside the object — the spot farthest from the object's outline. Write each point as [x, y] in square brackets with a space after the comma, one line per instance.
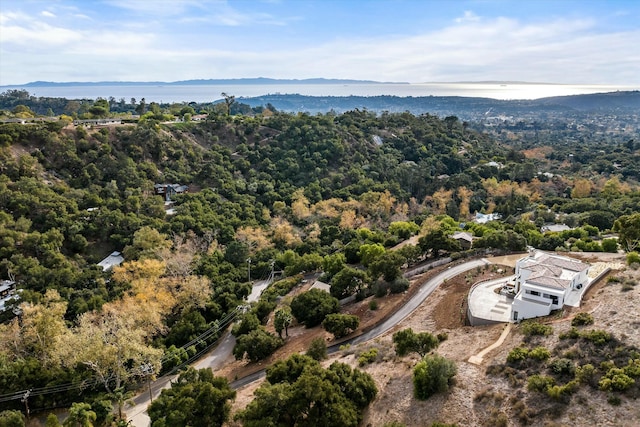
[555, 228]
[464, 239]
[545, 282]
[7, 293]
[168, 190]
[484, 218]
[114, 259]
[322, 286]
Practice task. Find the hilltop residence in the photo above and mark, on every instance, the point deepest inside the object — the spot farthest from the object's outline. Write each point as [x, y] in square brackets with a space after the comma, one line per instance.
[545, 282]
[168, 190]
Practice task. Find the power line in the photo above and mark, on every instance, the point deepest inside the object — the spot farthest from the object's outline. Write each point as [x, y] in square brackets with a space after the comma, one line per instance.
[94, 381]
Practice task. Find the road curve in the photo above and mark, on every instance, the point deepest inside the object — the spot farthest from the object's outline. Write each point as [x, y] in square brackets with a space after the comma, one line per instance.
[425, 290]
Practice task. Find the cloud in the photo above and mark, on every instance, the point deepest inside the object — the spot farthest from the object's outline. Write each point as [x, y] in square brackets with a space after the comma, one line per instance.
[472, 47]
[47, 14]
[468, 16]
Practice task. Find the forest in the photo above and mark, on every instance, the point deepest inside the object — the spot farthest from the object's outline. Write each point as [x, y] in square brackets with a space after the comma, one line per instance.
[267, 191]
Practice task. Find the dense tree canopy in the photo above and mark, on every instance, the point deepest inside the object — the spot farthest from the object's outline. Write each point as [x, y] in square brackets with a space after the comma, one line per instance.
[196, 398]
[298, 193]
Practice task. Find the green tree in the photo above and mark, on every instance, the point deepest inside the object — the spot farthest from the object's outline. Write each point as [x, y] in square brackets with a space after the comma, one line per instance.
[256, 345]
[317, 349]
[628, 229]
[249, 322]
[369, 252]
[406, 341]
[10, 418]
[197, 398]
[303, 393]
[340, 325]
[311, 307]
[282, 320]
[403, 229]
[80, 415]
[437, 241]
[387, 265]
[100, 108]
[348, 281]
[333, 263]
[147, 242]
[432, 375]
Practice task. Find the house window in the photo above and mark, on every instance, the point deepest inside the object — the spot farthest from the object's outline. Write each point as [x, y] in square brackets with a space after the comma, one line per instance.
[515, 315]
[536, 293]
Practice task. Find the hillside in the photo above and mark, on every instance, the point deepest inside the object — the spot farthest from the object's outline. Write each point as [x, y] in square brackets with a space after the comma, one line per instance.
[327, 194]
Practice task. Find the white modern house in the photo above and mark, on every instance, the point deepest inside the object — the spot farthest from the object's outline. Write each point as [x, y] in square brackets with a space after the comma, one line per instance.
[111, 261]
[545, 282]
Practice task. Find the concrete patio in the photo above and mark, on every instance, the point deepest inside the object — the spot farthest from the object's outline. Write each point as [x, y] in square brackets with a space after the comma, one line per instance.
[486, 306]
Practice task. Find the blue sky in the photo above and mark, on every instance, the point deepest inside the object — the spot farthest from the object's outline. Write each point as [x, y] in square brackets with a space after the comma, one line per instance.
[560, 41]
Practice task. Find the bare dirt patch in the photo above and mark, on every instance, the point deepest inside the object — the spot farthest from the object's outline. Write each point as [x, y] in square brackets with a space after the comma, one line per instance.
[479, 399]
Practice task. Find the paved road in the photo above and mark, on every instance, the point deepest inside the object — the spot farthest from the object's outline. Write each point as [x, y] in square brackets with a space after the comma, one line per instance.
[215, 359]
[425, 290]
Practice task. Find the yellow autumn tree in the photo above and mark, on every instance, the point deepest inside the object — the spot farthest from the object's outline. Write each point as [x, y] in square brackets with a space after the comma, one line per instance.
[255, 238]
[283, 233]
[300, 205]
[465, 198]
[581, 188]
[111, 344]
[440, 200]
[37, 331]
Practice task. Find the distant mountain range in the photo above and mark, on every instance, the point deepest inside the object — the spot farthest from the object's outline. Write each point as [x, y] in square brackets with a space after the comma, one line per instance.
[464, 107]
[245, 81]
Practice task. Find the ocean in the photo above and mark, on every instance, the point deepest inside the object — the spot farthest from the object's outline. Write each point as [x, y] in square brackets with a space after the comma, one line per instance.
[208, 93]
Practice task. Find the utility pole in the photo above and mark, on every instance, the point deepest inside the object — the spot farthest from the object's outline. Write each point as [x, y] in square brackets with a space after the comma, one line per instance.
[249, 271]
[25, 399]
[271, 277]
[148, 370]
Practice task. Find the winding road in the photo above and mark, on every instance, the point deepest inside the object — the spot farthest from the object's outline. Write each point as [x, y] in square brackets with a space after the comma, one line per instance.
[217, 357]
[425, 290]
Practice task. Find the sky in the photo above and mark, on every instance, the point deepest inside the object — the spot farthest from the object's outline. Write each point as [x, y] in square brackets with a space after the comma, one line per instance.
[416, 41]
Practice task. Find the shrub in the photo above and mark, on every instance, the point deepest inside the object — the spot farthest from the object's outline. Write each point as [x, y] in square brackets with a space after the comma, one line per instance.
[596, 336]
[539, 353]
[615, 379]
[582, 319]
[562, 367]
[633, 258]
[317, 349]
[368, 357]
[530, 328]
[517, 354]
[614, 400]
[633, 368]
[373, 305]
[442, 336]
[432, 375]
[557, 392]
[399, 285]
[586, 374]
[572, 333]
[540, 383]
